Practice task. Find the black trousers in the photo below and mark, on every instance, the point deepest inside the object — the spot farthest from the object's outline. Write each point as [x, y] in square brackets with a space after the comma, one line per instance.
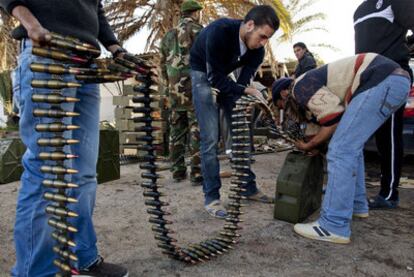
[389, 138]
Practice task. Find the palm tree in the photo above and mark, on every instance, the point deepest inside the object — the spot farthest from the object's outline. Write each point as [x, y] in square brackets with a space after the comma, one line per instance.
[128, 17]
[8, 46]
[305, 22]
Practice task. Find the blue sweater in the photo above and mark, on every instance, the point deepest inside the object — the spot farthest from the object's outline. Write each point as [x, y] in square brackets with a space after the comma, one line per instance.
[216, 52]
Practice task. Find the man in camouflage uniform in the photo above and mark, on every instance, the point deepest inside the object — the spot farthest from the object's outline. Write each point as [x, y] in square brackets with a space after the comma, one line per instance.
[175, 65]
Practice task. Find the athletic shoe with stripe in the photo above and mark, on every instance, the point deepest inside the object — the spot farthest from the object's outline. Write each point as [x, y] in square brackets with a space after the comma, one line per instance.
[314, 231]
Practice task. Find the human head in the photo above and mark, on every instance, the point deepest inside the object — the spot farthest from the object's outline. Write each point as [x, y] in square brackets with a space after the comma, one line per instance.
[191, 8]
[260, 23]
[300, 49]
[280, 91]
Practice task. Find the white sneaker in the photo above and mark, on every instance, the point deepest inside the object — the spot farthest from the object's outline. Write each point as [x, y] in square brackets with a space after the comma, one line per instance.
[314, 231]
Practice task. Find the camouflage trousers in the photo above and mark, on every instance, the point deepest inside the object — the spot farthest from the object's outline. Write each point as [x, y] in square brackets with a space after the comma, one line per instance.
[184, 131]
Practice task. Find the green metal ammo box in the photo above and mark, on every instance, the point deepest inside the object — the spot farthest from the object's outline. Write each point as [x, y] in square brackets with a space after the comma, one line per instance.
[11, 152]
[108, 167]
[298, 187]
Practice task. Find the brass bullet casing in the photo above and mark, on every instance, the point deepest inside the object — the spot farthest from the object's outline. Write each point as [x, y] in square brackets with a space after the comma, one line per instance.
[232, 227]
[236, 183]
[192, 255]
[56, 142]
[63, 240]
[164, 238]
[61, 265]
[147, 129]
[240, 167]
[156, 203]
[53, 113]
[216, 246]
[233, 220]
[145, 100]
[113, 67]
[99, 78]
[153, 194]
[56, 69]
[57, 55]
[132, 66]
[71, 45]
[240, 159]
[241, 130]
[150, 166]
[159, 221]
[150, 185]
[241, 115]
[57, 170]
[240, 152]
[203, 250]
[146, 110]
[241, 145]
[240, 109]
[240, 123]
[198, 252]
[53, 99]
[56, 156]
[210, 248]
[90, 71]
[230, 234]
[60, 211]
[168, 247]
[73, 40]
[238, 190]
[241, 138]
[61, 225]
[239, 174]
[144, 89]
[58, 184]
[58, 197]
[151, 176]
[157, 212]
[65, 253]
[54, 84]
[221, 243]
[234, 212]
[136, 60]
[148, 139]
[161, 230]
[225, 239]
[237, 197]
[55, 127]
[235, 205]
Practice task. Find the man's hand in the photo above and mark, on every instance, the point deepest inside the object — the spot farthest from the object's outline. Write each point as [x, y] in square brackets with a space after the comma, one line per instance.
[39, 35]
[301, 145]
[254, 92]
[35, 30]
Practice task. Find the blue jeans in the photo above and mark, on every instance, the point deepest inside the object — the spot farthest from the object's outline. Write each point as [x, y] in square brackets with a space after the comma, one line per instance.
[208, 114]
[32, 234]
[345, 193]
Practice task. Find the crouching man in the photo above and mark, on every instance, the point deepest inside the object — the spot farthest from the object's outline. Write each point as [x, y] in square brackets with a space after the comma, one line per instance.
[350, 99]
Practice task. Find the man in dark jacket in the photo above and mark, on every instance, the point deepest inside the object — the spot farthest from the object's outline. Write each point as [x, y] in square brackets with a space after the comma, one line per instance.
[32, 234]
[224, 46]
[381, 27]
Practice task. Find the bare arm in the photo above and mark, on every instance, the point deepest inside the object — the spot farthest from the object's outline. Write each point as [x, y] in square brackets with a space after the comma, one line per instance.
[324, 134]
[35, 30]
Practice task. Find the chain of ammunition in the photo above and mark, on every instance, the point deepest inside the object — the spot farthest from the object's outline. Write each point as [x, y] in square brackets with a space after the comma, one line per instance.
[66, 52]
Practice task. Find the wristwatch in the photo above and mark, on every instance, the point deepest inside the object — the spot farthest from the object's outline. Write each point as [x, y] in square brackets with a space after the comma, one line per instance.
[118, 51]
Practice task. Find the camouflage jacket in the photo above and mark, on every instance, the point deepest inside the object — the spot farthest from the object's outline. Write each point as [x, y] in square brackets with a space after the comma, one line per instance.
[175, 62]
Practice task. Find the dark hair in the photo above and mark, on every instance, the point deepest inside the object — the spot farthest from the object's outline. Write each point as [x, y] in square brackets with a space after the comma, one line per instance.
[263, 15]
[303, 46]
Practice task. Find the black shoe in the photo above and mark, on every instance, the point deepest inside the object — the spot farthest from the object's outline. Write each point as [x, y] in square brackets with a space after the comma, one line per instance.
[103, 269]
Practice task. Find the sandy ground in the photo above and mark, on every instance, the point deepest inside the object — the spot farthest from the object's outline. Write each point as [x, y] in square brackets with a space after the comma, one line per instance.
[382, 245]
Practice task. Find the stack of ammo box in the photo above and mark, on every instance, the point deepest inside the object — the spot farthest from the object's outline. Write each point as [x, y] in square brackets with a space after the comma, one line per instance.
[124, 112]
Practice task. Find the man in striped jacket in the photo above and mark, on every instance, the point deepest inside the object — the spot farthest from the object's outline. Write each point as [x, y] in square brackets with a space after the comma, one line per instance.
[350, 99]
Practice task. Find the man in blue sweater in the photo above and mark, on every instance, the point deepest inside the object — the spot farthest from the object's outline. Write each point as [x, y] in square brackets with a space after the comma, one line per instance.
[225, 46]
